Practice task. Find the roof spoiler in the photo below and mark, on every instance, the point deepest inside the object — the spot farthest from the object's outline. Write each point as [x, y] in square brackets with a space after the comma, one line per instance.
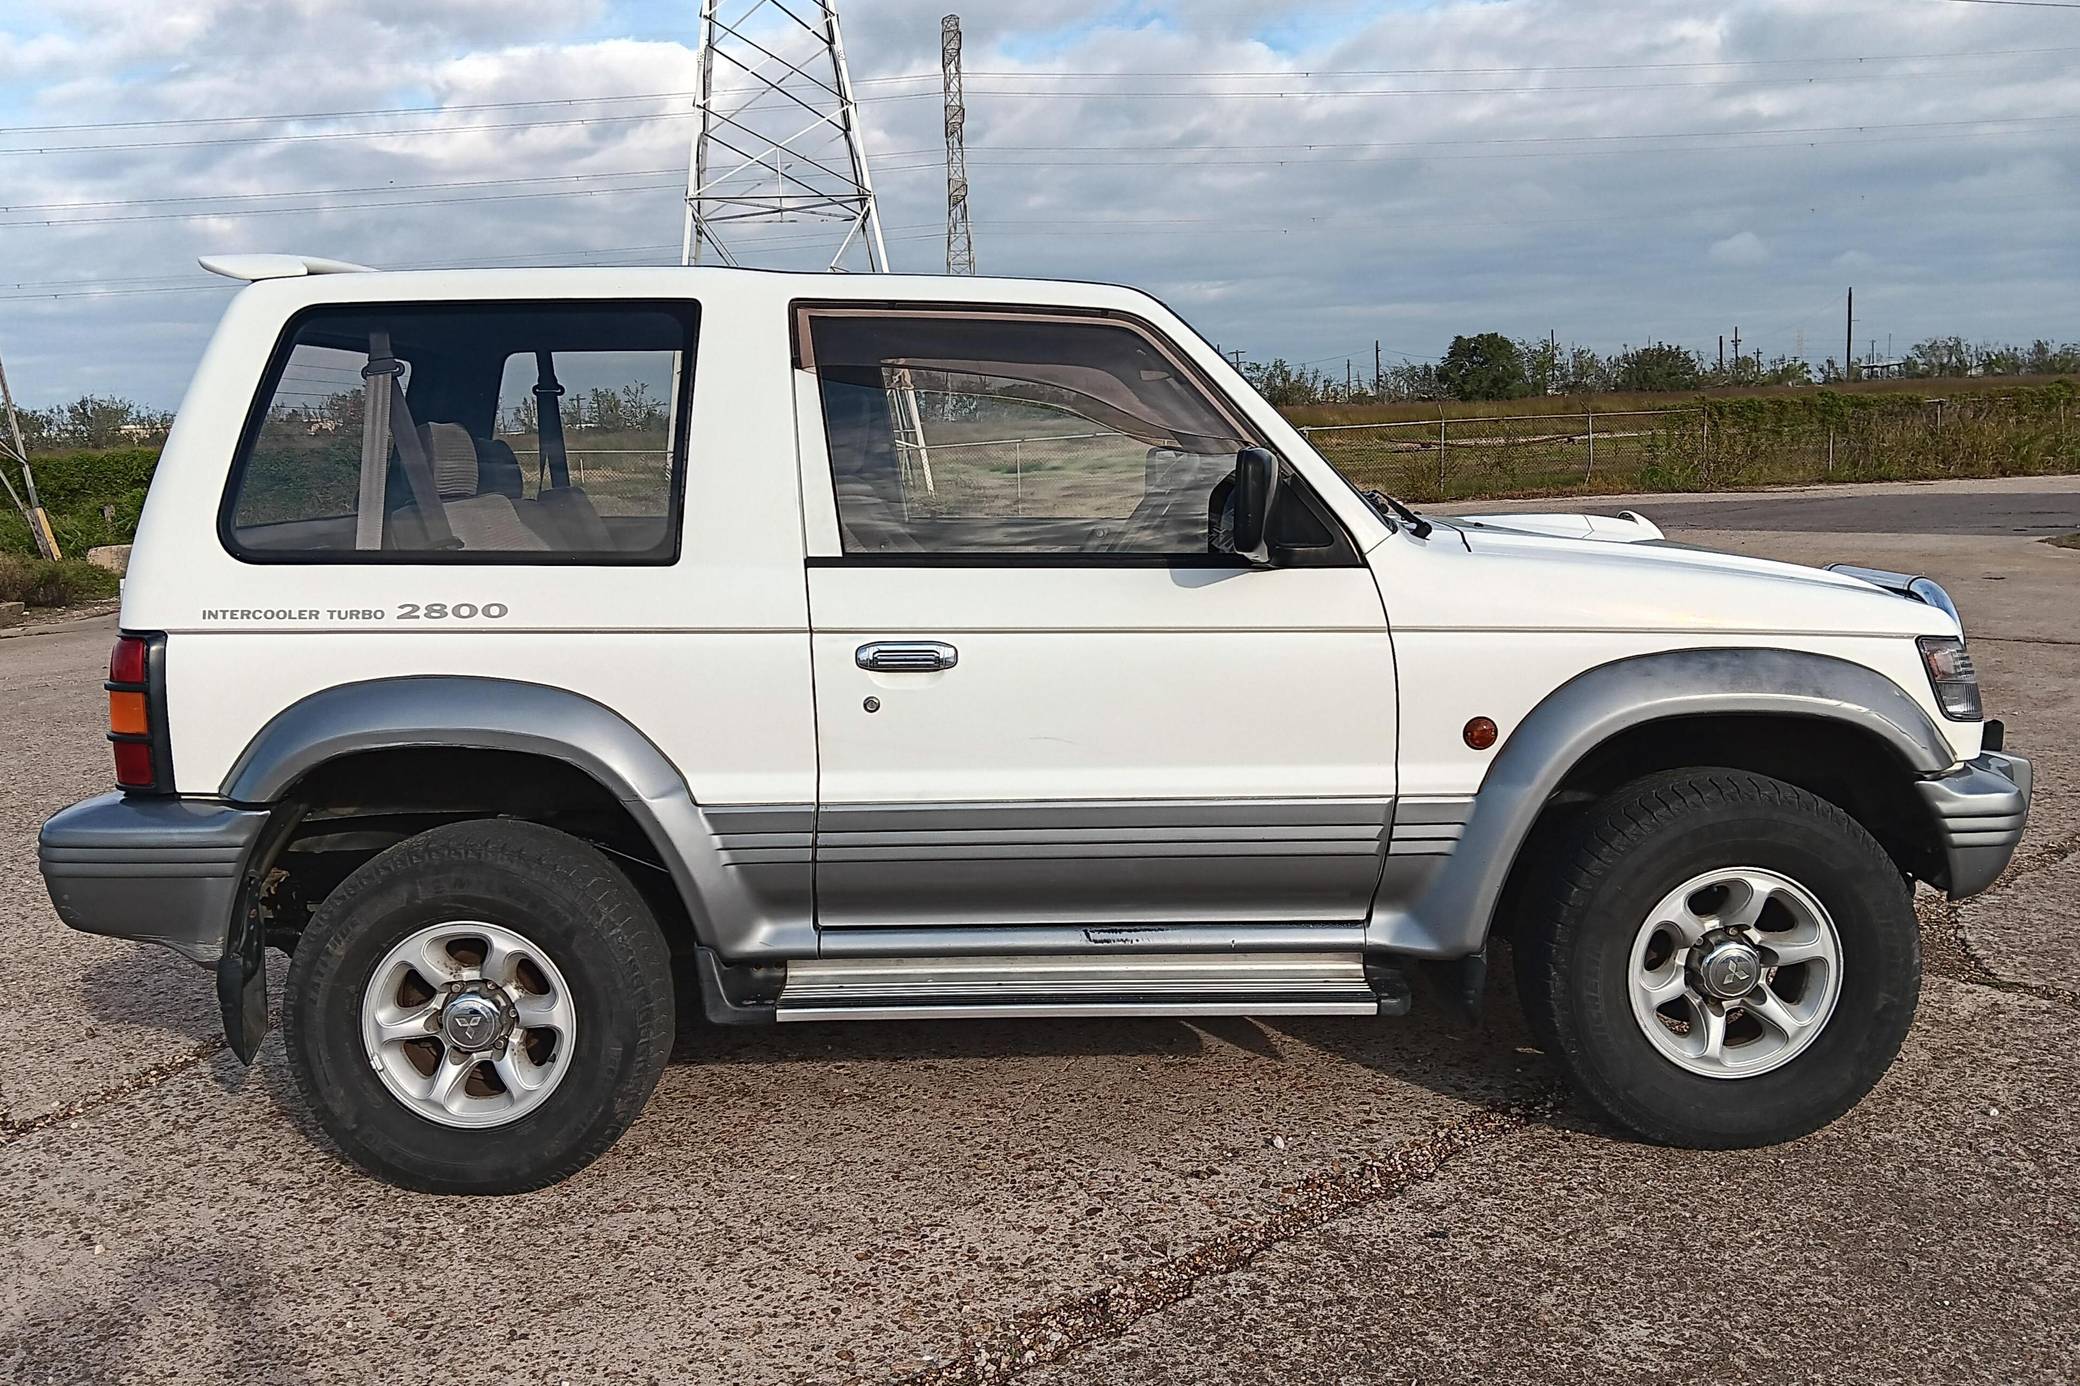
[256, 267]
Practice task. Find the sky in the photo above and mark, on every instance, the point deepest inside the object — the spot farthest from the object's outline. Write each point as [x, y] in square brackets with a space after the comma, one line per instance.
[1298, 180]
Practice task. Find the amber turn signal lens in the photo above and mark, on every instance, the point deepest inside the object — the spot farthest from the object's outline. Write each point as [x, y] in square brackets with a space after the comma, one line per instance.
[127, 714]
[1480, 733]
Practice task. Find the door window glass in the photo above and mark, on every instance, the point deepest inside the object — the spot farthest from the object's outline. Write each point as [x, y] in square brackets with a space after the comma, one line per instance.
[953, 434]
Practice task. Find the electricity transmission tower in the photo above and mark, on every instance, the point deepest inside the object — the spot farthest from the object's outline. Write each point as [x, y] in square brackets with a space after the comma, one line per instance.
[778, 141]
[960, 246]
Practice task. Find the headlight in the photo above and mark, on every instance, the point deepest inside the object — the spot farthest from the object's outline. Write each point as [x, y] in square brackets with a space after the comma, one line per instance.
[1951, 674]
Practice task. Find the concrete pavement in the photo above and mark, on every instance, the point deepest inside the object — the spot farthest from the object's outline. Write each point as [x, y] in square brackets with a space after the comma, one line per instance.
[1082, 1201]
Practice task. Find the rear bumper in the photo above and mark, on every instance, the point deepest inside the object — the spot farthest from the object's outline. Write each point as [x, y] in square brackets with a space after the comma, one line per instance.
[159, 870]
[1980, 809]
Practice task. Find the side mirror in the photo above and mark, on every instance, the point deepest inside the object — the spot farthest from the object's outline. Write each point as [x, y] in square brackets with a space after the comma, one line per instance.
[1256, 495]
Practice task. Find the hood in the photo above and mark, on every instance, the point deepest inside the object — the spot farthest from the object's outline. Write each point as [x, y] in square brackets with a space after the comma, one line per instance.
[1592, 572]
[1626, 527]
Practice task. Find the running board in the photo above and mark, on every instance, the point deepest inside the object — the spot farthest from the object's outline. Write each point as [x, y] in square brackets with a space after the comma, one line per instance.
[1149, 984]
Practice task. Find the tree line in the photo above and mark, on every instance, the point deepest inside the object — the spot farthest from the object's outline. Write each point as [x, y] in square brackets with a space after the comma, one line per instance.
[1491, 366]
[92, 422]
[1484, 366]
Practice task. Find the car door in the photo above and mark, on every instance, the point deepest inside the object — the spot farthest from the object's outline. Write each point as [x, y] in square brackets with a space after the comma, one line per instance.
[1047, 693]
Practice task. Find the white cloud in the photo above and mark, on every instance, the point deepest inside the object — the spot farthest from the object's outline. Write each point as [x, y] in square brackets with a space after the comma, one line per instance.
[1741, 248]
[1539, 183]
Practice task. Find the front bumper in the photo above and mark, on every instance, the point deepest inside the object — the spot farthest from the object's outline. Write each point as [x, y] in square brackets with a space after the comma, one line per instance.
[1980, 809]
[156, 869]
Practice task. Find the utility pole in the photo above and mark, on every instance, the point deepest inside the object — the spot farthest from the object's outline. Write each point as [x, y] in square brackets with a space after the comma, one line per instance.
[1722, 353]
[14, 451]
[1346, 380]
[960, 244]
[1736, 344]
[1379, 377]
[1849, 337]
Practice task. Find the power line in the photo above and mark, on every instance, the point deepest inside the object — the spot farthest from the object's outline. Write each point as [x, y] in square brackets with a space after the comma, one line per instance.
[1530, 139]
[333, 207]
[1045, 93]
[1332, 94]
[1141, 156]
[347, 134]
[1033, 228]
[367, 111]
[331, 192]
[171, 122]
[1519, 67]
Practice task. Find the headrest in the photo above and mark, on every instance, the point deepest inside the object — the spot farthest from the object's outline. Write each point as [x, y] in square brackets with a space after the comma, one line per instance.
[454, 459]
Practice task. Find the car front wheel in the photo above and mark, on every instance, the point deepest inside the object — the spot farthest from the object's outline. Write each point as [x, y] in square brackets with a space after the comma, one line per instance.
[1721, 960]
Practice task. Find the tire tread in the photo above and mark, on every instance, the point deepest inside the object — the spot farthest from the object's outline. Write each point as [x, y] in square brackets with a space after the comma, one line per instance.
[1582, 864]
[615, 915]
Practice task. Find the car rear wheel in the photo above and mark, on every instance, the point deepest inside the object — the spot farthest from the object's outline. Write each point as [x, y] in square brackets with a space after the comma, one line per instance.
[482, 1008]
[1721, 960]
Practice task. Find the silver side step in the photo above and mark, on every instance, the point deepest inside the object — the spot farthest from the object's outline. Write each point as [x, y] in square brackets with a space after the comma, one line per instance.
[1151, 984]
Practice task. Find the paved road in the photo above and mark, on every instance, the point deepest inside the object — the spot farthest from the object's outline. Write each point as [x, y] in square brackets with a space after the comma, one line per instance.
[1070, 1202]
[2029, 506]
[1998, 512]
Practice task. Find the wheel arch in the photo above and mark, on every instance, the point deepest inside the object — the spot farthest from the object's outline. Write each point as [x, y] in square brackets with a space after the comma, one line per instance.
[1632, 714]
[462, 721]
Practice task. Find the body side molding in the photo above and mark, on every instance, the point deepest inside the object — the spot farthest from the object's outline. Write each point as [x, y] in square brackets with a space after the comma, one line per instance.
[743, 901]
[1451, 918]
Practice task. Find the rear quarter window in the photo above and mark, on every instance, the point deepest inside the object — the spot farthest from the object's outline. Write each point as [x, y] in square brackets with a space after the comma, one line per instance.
[468, 433]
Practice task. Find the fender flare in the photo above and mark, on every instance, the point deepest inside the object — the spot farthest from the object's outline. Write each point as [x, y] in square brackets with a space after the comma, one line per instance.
[1452, 916]
[728, 909]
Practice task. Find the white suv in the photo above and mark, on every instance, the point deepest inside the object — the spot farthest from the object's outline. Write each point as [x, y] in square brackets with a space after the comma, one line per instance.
[532, 654]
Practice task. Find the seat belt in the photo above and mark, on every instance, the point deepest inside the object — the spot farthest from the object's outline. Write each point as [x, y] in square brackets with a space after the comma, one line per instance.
[418, 467]
[375, 444]
[549, 421]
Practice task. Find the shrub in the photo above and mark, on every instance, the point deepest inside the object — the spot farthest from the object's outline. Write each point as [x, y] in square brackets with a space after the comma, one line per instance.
[40, 582]
[76, 488]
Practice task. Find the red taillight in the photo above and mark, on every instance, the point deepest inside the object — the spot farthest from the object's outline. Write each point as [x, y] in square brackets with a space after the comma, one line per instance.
[134, 765]
[126, 662]
[130, 714]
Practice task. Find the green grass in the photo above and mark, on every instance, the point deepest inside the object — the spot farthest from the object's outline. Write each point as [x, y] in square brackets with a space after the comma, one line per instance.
[1718, 443]
[1409, 411]
[2064, 541]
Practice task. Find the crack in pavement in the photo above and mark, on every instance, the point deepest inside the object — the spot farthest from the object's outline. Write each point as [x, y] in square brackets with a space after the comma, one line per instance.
[12, 1130]
[1949, 951]
[1050, 1334]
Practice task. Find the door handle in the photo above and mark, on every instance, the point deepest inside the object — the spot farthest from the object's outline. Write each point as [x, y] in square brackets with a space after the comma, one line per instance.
[906, 656]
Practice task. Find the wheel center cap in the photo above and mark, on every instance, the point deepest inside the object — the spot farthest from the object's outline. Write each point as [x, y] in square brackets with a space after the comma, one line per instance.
[1729, 969]
[472, 1022]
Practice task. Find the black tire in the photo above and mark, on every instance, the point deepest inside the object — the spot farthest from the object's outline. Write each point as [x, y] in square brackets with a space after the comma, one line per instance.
[565, 897]
[1574, 953]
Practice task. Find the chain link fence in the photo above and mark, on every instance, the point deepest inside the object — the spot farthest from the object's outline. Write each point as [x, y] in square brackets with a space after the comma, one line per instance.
[1448, 459]
[1729, 443]
[619, 480]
